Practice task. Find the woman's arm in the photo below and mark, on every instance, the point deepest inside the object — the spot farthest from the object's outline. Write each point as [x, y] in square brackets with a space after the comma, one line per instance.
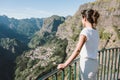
[75, 53]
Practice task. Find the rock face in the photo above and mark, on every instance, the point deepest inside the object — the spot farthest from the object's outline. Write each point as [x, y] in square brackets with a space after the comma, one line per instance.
[50, 27]
[9, 50]
[14, 36]
[108, 24]
[21, 29]
[47, 51]
[57, 38]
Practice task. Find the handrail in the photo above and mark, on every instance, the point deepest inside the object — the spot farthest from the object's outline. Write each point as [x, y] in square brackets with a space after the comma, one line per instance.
[100, 52]
[54, 71]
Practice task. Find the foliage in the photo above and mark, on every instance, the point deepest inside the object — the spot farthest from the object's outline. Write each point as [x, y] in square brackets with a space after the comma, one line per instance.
[117, 31]
[25, 64]
[111, 9]
[104, 35]
[60, 48]
[9, 50]
[76, 33]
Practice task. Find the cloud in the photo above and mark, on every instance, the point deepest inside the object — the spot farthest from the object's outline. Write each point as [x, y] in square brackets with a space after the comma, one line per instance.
[25, 13]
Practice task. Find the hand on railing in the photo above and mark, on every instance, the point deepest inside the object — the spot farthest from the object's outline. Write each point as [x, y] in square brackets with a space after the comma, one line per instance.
[61, 66]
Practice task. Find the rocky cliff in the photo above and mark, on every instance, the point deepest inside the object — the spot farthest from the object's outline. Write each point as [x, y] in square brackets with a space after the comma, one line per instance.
[59, 45]
[108, 24]
[50, 27]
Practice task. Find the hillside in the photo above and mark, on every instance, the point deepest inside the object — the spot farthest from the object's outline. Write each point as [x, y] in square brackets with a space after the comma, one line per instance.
[48, 45]
[9, 50]
[51, 40]
[47, 50]
[21, 29]
[49, 28]
[14, 36]
[40, 60]
[108, 24]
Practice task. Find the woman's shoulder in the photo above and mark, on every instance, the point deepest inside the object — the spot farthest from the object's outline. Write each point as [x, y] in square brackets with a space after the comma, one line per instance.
[85, 30]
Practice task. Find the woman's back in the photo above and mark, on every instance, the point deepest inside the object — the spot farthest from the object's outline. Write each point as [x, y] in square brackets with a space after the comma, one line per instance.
[90, 48]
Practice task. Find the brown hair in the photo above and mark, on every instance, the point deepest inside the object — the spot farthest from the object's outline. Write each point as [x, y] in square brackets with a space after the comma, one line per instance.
[91, 15]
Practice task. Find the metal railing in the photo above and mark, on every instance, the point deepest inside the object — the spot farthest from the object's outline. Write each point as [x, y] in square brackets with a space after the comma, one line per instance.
[109, 68]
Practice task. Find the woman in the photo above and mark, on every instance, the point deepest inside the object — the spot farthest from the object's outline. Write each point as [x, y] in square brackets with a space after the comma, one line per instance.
[87, 46]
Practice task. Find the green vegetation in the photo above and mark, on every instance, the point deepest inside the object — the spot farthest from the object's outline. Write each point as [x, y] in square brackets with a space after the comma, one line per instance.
[95, 2]
[33, 67]
[111, 9]
[104, 0]
[117, 31]
[26, 64]
[60, 47]
[76, 33]
[104, 35]
[9, 50]
[48, 29]
[41, 35]
[118, 1]
[13, 45]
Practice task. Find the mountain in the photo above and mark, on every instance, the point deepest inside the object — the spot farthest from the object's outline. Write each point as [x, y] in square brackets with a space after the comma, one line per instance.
[40, 60]
[14, 37]
[54, 40]
[47, 48]
[29, 26]
[108, 25]
[6, 32]
[14, 46]
[53, 44]
[9, 50]
[49, 28]
[21, 29]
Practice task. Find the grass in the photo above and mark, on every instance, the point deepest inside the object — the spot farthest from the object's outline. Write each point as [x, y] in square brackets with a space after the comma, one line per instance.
[104, 35]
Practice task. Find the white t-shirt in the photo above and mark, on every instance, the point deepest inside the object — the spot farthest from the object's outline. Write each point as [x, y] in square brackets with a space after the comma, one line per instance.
[90, 47]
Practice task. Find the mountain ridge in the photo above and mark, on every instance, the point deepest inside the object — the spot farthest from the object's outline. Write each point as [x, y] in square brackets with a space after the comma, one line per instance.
[53, 44]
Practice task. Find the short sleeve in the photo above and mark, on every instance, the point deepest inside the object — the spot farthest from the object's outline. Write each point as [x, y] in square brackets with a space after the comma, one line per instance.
[84, 32]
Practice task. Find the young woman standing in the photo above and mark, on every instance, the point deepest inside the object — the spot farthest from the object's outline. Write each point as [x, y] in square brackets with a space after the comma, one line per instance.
[87, 46]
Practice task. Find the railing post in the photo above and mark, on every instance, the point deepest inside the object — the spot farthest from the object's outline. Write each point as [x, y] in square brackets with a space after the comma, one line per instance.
[115, 63]
[75, 70]
[112, 64]
[63, 74]
[118, 63]
[101, 65]
[108, 63]
[79, 74]
[69, 71]
[55, 78]
[105, 56]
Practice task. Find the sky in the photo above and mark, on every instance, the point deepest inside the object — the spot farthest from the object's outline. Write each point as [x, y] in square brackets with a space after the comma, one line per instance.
[39, 8]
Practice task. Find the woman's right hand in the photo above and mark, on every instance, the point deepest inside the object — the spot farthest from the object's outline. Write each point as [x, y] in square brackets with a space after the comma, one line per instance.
[61, 66]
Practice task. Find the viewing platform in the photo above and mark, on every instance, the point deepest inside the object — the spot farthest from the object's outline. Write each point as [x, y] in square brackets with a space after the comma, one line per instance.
[109, 68]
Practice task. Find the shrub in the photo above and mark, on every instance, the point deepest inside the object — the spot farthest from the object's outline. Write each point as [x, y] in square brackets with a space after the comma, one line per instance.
[117, 31]
[104, 35]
